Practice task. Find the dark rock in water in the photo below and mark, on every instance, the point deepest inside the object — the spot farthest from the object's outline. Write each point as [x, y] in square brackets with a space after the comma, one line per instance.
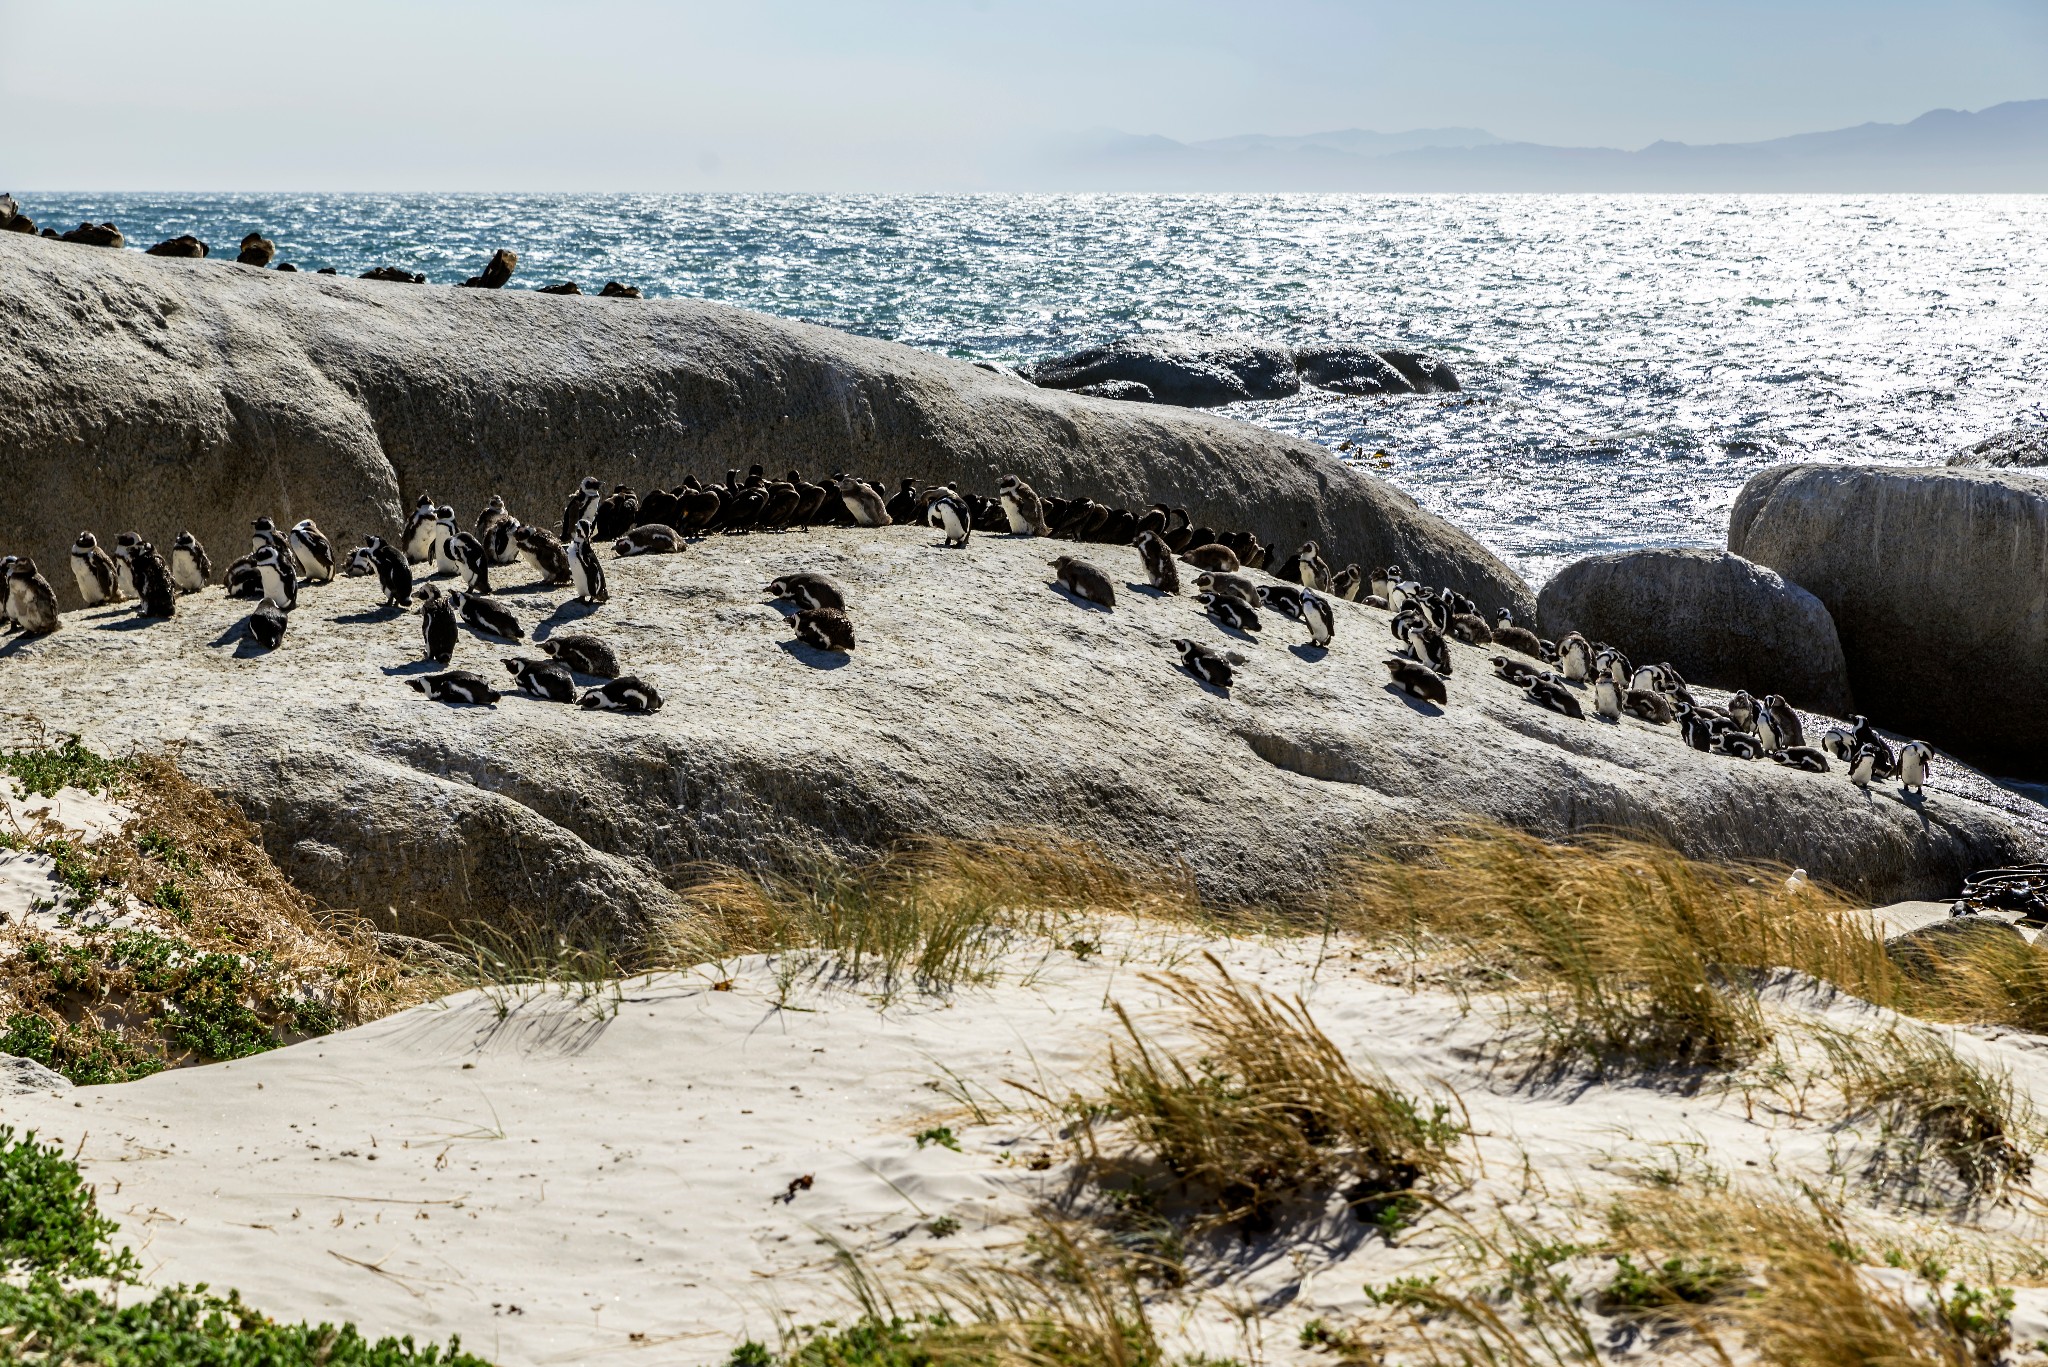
[1130, 391]
[497, 271]
[327, 270]
[1426, 373]
[2022, 446]
[288, 266]
[614, 290]
[186, 245]
[1937, 579]
[1350, 370]
[394, 275]
[1190, 371]
[566, 287]
[257, 250]
[1719, 619]
[1921, 953]
[95, 235]
[49, 232]
[12, 219]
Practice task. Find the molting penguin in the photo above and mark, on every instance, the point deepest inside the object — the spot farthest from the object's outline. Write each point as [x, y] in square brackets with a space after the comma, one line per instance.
[1548, 692]
[824, 629]
[487, 615]
[583, 653]
[191, 571]
[808, 590]
[494, 528]
[1428, 645]
[394, 572]
[617, 512]
[1916, 759]
[903, 505]
[624, 694]
[31, 602]
[93, 568]
[152, 578]
[586, 571]
[1084, 581]
[1607, 698]
[549, 679]
[439, 627]
[543, 554]
[1161, 570]
[1230, 586]
[1024, 508]
[950, 514]
[456, 686]
[1213, 557]
[1646, 705]
[422, 530]
[1229, 612]
[265, 625]
[649, 538]
[1506, 633]
[1575, 657]
[1210, 666]
[1418, 681]
[582, 506]
[280, 578]
[1742, 710]
[309, 548]
[866, 506]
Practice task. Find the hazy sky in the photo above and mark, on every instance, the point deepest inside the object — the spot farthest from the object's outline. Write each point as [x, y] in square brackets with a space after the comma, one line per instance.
[915, 94]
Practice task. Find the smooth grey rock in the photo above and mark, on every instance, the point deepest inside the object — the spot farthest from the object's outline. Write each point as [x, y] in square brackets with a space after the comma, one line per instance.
[1426, 373]
[1937, 579]
[2020, 447]
[1719, 618]
[980, 700]
[1191, 371]
[1128, 391]
[24, 1077]
[158, 395]
[1350, 370]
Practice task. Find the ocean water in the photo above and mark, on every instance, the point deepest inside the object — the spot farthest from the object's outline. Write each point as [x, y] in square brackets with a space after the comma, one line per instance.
[1628, 360]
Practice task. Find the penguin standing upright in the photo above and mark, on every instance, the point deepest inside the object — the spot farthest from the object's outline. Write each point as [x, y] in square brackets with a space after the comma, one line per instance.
[1916, 759]
[1160, 566]
[1575, 657]
[422, 530]
[1319, 617]
[586, 571]
[394, 572]
[494, 529]
[582, 506]
[1606, 698]
[191, 571]
[438, 626]
[280, 579]
[315, 558]
[1023, 507]
[124, 572]
[866, 506]
[94, 570]
[949, 513]
[31, 602]
[1784, 721]
[904, 503]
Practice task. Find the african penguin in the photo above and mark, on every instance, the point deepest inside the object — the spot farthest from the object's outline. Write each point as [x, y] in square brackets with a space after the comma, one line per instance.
[1084, 581]
[543, 553]
[1418, 681]
[456, 686]
[586, 571]
[1694, 728]
[1916, 758]
[824, 629]
[494, 528]
[394, 572]
[280, 579]
[1319, 617]
[31, 602]
[191, 571]
[487, 615]
[1864, 767]
[1022, 506]
[649, 538]
[867, 507]
[1225, 585]
[1212, 557]
[549, 679]
[152, 578]
[266, 624]
[1739, 744]
[1811, 760]
[1575, 657]
[1506, 633]
[582, 506]
[1742, 710]
[124, 572]
[1229, 612]
[1839, 741]
[93, 568]
[1209, 665]
[1557, 697]
[1284, 599]
[422, 530]
[583, 653]
[808, 590]
[1160, 568]
[309, 548]
[1784, 721]
[624, 694]
[446, 559]
[1647, 704]
[1383, 581]
[438, 624]
[1470, 628]
[1347, 583]
[1607, 698]
[1614, 665]
[950, 514]
[1516, 672]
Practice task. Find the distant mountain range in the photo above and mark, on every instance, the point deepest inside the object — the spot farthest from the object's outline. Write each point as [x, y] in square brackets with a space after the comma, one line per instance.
[2003, 148]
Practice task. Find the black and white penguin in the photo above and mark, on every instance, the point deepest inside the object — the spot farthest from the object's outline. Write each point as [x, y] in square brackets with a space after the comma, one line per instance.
[191, 571]
[124, 572]
[1742, 710]
[31, 602]
[1739, 744]
[266, 624]
[422, 530]
[1694, 728]
[309, 548]
[1319, 617]
[1383, 580]
[487, 615]
[1418, 681]
[1548, 692]
[456, 686]
[549, 679]
[586, 571]
[1784, 723]
[1804, 757]
[1209, 665]
[582, 506]
[1161, 569]
[1575, 657]
[151, 576]
[1864, 766]
[808, 590]
[394, 572]
[1614, 665]
[542, 553]
[1229, 612]
[93, 568]
[583, 653]
[824, 629]
[1840, 742]
[439, 626]
[1648, 679]
[1428, 645]
[1470, 628]
[495, 526]
[447, 559]
[868, 508]
[1916, 760]
[1607, 698]
[950, 514]
[624, 694]
[1517, 672]
[1646, 704]
[904, 505]
[1084, 581]
[280, 577]
[1348, 583]
[243, 579]
[1284, 599]
[1224, 585]
[1506, 633]
[1305, 567]
[263, 532]
[649, 538]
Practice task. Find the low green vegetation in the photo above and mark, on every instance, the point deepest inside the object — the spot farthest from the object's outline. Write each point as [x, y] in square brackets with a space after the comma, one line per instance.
[44, 770]
[50, 1220]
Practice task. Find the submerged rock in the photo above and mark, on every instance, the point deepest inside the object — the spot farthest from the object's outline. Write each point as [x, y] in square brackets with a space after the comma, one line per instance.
[1937, 580]
[1715, 616]
[1191, 371]
[1350, 370]
[2020, 446]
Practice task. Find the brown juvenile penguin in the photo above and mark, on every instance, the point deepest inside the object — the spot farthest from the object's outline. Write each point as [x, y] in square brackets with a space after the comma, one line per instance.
[1084, 581]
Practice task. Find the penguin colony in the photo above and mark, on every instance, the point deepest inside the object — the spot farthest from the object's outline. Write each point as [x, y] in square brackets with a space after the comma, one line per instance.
[1561, 676]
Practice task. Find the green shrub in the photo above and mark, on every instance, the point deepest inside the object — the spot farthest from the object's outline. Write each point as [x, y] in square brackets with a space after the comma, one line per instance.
[69, 765]
[50, 1221]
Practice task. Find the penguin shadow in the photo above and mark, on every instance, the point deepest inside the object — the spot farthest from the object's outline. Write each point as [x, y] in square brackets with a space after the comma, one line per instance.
[1213, 690]
[571, 611]
[383, 613]
[114, 610]
[19, 641]
[135, 622]
[1234, 633]
[416, 667]
[247, 647]
[1148, 590]
[786, 606]
[1309, 652]
[814, 657]
[521, 590]
[1418, 705]
[1076, 599]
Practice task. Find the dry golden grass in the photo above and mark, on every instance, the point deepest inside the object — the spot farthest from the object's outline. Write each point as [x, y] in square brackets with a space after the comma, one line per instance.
[1265, 1109]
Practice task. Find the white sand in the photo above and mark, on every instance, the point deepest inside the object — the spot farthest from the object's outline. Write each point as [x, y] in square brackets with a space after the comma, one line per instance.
[30, 895]
[563, 1184]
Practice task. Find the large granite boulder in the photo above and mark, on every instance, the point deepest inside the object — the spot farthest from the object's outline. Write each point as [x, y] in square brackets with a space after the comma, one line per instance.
[1719, 618]
[1938, 583]
[2024, 447]
[157, 395]
[980, 700]
[1191, 371]
[1350, 370]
